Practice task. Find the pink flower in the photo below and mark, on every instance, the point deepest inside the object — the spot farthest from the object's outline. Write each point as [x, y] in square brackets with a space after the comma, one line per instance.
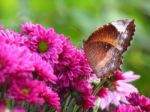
[11, 37]
[106, 99]
[43, 70]
[127, 108]
[14, 59]
[28, 28]
[137, 103]
[51, 98]
[67, 65]
[71, 67]
[18, 109]
[25, 90]
[32, 91]
[1, 27]
[73, 72]
[117, 89]
[126, 77]
[83, 95]
[136, 99]
[44, 42]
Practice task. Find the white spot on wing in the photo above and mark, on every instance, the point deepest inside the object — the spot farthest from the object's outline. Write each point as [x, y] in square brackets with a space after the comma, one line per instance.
[121, 25]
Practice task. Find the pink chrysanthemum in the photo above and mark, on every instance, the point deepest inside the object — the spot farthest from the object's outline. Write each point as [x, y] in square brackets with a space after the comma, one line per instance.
[18, 109]
[27, 28]
[11, 37]
[137, 103]
[127, 108]
[14, 59]
[143, 102]
[32, 91]
[116, 89]
[65, 68]
[43, 70]
[72, 65]
[105, 97]
[51, 98]
[43, 41]
[84, 96]
[26, 90]
[73, 72]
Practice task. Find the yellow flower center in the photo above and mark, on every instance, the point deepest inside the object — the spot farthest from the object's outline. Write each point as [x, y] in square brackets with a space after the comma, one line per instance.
[25, 91]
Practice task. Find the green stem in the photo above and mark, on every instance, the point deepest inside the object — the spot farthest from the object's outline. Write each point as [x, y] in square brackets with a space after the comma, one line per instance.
[75, 108]
[96, 107]
[66, 103]
[71, 105]
[98, 87]
[4, 87]
[35, 108]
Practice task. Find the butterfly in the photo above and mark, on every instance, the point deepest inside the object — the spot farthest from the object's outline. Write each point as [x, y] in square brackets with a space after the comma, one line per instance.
[105, 47]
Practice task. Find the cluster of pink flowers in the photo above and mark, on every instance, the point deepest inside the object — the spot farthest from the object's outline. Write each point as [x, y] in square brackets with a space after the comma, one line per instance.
[40, 68]
[116, 89]
[137, 103]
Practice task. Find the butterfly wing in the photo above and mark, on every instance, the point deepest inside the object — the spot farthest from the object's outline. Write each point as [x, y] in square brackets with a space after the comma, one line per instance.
[105, 46]
[126, 29]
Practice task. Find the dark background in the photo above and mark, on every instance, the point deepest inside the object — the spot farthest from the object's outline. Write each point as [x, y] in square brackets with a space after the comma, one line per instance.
[77, 19]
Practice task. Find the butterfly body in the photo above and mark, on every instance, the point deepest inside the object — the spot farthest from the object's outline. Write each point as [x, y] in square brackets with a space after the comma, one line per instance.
[105, 46]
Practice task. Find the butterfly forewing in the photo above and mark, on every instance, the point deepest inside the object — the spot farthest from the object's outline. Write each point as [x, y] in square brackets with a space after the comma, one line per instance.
[105, 46]
[126, 29]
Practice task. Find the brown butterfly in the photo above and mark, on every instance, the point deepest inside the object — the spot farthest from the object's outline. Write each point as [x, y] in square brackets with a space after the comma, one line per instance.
[105, 46]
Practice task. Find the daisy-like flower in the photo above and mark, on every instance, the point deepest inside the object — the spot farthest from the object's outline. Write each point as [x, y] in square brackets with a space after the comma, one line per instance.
[43, 70]
[72, 65]
[137, 103]
[51, 98]
[127, 108]
[32, 91]
[11, 37]
[28, 91]
[27, 28]
[14, 59]
[105, 99]
[67, 67]
[73, 72]
[117, 88]
[44, 42]
[83, 93]
[136, 99]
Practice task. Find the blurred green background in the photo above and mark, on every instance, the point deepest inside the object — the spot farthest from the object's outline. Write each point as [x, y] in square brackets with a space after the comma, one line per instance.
[78, 19]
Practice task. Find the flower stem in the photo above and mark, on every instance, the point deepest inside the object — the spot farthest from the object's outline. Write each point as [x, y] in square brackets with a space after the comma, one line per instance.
[75, 108]
[98, 87]
[66, 103]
